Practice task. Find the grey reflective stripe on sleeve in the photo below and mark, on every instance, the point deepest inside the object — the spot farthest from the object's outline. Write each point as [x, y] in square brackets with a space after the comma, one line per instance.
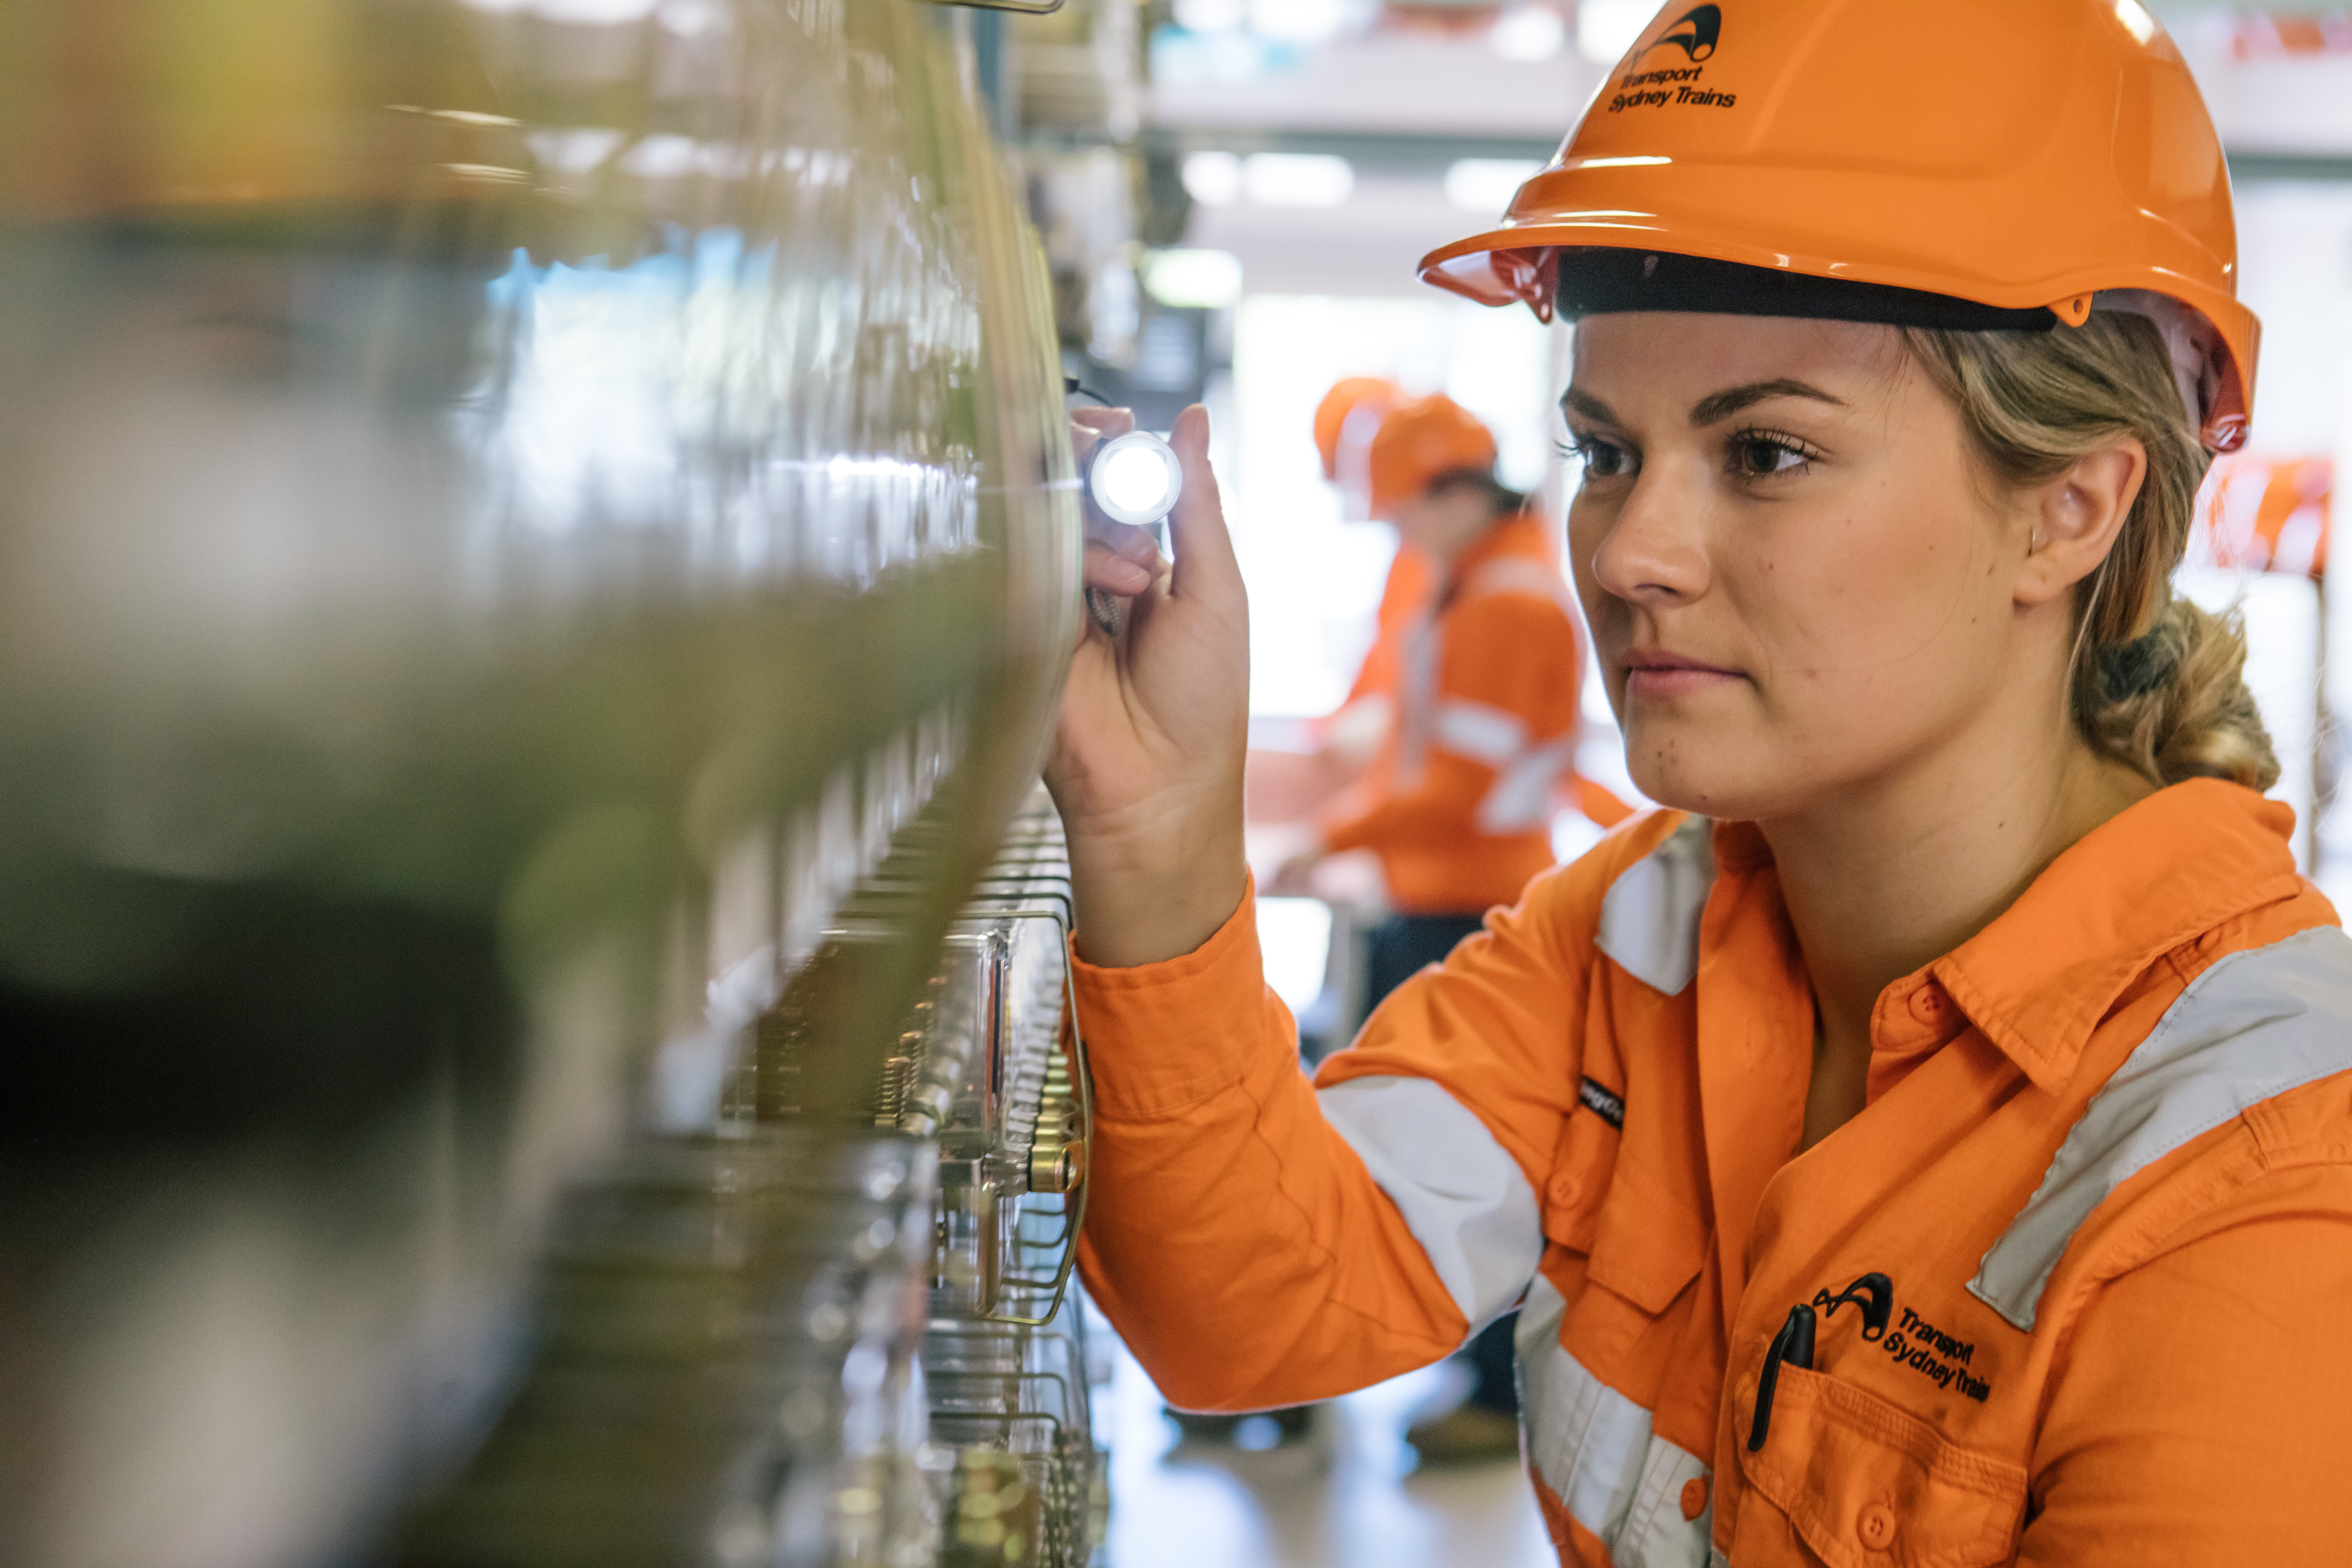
[1518, 574]
[1521, 796]
[1462, 1196]
[1594, 1448]
[1479, 732]
[2255, 1024]
[1649, 917]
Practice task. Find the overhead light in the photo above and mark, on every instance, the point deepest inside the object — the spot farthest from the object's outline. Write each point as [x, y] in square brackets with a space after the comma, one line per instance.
[1209, 16]
[1605, 29]
[1488, 184]
[1298, 179]
[1193, 279]
[1213, 179]
[1297, 21]
[1530, 35]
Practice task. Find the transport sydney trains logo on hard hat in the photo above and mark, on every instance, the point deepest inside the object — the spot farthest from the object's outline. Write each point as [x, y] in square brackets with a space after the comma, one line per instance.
[1696, 33]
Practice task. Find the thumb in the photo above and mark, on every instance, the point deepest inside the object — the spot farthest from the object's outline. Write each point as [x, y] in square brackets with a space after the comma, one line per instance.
[1203, 546]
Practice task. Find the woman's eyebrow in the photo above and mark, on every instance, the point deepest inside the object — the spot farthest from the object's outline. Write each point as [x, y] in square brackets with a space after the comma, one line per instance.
[1584, 402]
[1711, 408]
[1723, 405]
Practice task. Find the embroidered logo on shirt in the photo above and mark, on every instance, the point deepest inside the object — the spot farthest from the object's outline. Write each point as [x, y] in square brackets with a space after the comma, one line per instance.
[1914, 1341]
[1873, 1293]
[1609, 1106]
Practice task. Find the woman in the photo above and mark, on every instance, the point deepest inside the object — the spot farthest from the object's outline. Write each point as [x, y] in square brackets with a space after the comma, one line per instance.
[1930, 1140]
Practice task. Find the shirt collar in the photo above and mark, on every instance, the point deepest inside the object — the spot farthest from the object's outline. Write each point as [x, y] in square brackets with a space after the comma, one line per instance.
[2038, 980]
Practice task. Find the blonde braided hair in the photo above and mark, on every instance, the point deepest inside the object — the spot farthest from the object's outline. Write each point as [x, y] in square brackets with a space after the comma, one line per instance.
[2157, 682]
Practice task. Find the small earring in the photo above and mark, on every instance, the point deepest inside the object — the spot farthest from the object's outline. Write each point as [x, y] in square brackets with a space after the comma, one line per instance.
[2034, 548]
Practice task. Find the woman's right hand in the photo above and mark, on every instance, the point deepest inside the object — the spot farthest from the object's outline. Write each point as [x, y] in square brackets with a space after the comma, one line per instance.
[1147, 757]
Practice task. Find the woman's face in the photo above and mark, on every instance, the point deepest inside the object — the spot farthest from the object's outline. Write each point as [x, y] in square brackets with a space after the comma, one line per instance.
[1796, 583]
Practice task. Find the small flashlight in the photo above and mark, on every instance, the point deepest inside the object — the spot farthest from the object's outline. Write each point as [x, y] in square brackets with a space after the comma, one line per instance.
[1134, 479]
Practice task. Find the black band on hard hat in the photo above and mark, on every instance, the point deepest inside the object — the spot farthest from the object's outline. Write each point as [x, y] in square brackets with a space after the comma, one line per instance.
[1599, 281]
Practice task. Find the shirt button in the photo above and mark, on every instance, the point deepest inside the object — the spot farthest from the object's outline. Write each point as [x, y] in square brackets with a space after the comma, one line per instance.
[1565, 1189]
[1875, 1526]
[1928, 1004]
[1694, 1497]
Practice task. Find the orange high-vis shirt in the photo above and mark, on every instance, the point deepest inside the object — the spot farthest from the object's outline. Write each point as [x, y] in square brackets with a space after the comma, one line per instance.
[2080, 1271]
[1412, 581]
[1459, 805]
[1358, 730]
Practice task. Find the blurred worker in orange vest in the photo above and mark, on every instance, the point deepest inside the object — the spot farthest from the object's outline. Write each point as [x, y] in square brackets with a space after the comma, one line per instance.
[1287, 787]
[1346, 424]
[1458, 801]
[1458, 804]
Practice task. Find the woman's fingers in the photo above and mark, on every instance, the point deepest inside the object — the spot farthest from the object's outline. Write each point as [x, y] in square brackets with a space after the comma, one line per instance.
[1130, 543]
[1090, 428]
[1115, 570]
[1103, 423]
[1203, 548]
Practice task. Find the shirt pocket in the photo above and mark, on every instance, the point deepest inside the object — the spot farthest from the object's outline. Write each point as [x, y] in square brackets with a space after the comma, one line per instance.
[1580, 1180]
[1865, 1484]
[1648, 1242]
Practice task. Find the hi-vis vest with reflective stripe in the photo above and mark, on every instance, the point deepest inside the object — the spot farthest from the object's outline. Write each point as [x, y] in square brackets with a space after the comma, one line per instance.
[1527, 768]
[1972, 1251]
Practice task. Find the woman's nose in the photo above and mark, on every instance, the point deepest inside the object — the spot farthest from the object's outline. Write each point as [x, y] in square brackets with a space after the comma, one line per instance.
[1653, 553]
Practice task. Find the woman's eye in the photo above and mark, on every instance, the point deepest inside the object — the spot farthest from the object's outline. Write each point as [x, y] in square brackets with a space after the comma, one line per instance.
[1603, 460]
[1759, 455]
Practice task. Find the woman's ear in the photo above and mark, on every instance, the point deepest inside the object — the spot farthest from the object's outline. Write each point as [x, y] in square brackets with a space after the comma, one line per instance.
[2077, 519]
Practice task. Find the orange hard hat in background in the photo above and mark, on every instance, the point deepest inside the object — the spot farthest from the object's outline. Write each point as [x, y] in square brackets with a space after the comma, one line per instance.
[1421, 442]
[1349, 414]
[2002, 163]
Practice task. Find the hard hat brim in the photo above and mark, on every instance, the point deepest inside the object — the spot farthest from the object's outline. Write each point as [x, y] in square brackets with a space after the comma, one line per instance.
[1518, 262]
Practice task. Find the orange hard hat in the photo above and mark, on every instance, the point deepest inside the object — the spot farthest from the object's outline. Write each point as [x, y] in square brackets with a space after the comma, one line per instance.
[1355, 405]
[1420, 442]
[2000, 164]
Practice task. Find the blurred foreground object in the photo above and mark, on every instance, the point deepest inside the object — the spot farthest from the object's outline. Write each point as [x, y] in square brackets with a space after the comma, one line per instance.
[516, 513]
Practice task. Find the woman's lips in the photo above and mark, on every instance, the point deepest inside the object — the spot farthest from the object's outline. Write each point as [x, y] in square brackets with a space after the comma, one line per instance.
[1655, 674]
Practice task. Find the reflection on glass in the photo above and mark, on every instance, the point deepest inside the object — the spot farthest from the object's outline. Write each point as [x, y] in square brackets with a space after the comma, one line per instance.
[511, 510]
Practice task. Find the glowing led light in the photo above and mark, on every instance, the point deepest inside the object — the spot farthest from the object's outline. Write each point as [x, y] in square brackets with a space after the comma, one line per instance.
[1134, 479]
